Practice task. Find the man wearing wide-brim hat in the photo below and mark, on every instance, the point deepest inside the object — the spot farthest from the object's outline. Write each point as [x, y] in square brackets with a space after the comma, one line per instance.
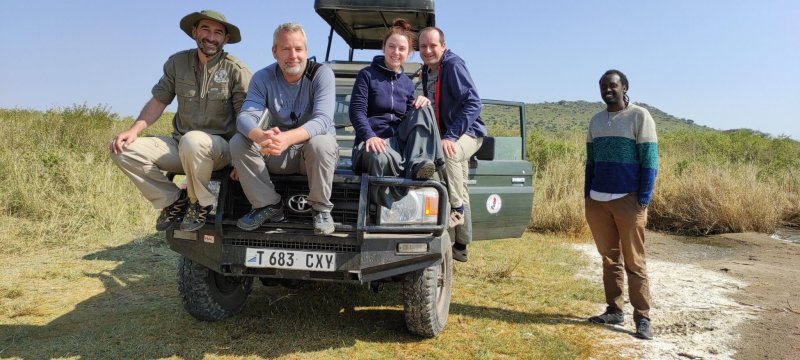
[210, 85]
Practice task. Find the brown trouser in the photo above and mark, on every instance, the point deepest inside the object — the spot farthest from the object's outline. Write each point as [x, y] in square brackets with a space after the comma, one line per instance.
[618, 230]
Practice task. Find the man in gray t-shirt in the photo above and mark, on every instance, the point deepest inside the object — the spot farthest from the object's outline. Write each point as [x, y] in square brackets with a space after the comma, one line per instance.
[286, 127]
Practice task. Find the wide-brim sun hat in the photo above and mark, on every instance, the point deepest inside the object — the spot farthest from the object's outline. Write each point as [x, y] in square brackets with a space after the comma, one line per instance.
[191, 20]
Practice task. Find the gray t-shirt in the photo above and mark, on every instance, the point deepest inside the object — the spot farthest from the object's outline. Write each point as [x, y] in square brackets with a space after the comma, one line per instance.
[312, 101]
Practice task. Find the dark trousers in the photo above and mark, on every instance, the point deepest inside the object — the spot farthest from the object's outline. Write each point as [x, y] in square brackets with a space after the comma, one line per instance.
[416, 140]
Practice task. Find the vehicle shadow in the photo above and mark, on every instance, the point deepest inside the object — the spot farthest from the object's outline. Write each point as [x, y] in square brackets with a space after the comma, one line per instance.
[139, 315]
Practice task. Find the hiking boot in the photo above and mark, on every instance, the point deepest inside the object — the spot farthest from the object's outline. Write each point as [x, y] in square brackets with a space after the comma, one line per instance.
[195, 216]
[460, 252]
[173, 213]
[424, 170]
[643, 330]
[323, 223]
[610, 317]
[256, 217]
[456, 218]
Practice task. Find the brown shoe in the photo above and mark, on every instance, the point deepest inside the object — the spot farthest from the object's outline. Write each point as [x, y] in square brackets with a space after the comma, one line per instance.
[424, 170]
[456, 218]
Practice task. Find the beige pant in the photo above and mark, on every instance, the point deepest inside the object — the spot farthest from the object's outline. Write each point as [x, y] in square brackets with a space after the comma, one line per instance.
[196, 155]
[457, 169]
[317, 158]
[618, 230]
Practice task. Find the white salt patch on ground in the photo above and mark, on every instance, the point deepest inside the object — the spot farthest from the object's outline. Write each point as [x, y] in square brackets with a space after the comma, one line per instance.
[692, 310]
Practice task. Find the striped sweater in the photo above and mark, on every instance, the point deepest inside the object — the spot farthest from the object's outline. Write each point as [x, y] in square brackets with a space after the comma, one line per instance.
[622, 153]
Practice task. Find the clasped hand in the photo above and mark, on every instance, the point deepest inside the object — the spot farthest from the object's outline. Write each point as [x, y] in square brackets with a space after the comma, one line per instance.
[273, 142]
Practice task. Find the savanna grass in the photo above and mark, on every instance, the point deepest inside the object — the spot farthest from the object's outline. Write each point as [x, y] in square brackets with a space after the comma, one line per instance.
[60, 187]
[708, 183]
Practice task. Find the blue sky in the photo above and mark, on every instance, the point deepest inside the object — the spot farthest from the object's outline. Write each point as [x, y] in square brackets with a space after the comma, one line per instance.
[724, 64]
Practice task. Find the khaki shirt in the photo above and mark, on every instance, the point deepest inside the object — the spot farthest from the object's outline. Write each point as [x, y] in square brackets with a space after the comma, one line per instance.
[209, 97]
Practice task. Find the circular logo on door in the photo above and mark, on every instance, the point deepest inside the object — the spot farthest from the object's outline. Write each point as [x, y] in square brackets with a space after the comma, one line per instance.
[494, 203]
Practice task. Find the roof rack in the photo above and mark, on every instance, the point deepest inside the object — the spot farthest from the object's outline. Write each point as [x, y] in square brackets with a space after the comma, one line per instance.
[363, 23]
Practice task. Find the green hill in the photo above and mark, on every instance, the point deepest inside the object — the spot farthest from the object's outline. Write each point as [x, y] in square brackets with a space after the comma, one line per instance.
[567, 116]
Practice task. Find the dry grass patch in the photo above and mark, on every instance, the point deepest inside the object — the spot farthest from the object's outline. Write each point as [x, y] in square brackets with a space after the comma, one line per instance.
[701, 200]
[515, 298]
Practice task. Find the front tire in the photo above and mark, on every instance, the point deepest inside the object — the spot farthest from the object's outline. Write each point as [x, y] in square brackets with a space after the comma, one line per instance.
[427, 292]
[208, 295]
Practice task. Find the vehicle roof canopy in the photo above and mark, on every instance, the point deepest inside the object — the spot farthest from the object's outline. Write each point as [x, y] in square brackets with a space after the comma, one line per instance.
[363, 23]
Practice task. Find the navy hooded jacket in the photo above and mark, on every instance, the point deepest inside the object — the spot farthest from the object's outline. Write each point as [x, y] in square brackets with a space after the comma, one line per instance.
[380, 100]
[459, 104]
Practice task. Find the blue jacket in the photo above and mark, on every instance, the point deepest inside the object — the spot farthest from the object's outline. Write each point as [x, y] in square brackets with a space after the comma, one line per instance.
[380, 100]
[459, 104]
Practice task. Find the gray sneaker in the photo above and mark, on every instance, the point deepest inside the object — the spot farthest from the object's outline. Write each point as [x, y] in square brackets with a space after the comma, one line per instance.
[643, 330]
[610, 317]
[323, 223]
[460, 252]
[256, 217]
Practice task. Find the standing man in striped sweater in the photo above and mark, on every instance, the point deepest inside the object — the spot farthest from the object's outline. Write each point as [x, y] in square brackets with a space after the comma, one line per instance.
[621, 167]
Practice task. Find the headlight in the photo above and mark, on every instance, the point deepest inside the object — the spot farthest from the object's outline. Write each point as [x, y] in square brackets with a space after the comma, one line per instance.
[420, 206]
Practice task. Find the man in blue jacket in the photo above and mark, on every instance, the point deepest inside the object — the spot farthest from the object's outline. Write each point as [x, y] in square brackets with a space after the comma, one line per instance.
[449, 86]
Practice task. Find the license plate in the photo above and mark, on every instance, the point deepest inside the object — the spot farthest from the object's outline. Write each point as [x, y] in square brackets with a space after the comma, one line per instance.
[290, 259]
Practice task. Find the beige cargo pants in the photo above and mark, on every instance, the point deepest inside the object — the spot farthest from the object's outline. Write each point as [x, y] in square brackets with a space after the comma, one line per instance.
[146, 160]
[457, 169]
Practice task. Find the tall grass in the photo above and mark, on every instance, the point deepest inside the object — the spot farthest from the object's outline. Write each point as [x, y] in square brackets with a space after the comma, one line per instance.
[708, 182]
[59, 185]
[726, 182]
[558, 197]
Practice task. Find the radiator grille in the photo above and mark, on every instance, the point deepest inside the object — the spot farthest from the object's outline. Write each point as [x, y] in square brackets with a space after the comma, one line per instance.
[290, 245]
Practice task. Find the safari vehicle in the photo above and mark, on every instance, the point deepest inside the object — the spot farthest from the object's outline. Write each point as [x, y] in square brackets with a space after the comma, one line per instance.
[371, 245]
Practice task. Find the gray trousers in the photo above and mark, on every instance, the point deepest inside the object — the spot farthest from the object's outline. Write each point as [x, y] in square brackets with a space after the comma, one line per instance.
[416, 140]
[317, 158]
[197, 154]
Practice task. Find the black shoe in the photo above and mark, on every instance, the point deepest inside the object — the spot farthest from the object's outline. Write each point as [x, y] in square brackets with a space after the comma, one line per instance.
[172, 214]
[643, 330]
[424, 170]
[610, 317]
[195, 216]
[460, 252]
[256, 217]
[323, 223]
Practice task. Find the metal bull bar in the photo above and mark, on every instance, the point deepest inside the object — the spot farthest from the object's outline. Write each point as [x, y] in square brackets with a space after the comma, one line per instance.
[364, 201]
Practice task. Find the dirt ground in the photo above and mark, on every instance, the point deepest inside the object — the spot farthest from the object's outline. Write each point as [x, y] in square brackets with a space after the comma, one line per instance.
[731, 296]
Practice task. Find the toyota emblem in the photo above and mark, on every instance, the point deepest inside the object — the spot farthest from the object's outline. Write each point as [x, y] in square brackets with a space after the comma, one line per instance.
[299, 204]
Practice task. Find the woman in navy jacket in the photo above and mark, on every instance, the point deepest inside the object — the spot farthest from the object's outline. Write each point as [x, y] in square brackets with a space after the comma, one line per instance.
[395, 132]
